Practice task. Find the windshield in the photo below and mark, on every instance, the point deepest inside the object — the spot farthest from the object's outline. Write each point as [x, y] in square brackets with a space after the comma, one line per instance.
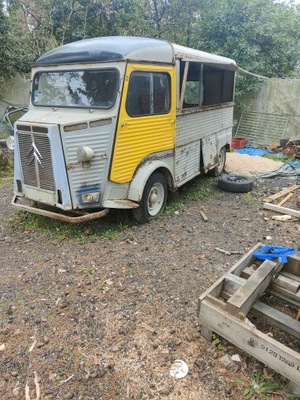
[79, 88]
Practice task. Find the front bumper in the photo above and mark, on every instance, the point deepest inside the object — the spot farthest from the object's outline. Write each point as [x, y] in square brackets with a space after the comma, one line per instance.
[82, 216]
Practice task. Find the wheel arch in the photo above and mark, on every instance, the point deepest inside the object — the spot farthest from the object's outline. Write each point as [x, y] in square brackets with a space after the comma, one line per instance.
[142, 175]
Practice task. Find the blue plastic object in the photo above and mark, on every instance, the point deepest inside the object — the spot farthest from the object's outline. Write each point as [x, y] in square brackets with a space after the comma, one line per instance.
[274, 252]
[253, 152]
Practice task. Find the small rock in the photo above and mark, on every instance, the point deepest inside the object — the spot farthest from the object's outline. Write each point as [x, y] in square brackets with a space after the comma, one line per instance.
[165, 390]
[225, 360]
[204, 374]
[9, 311]
[236, 358]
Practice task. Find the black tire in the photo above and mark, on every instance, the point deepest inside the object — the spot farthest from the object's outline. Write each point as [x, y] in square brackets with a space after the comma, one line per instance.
[153, 200]
[217, 171]
[235, 183]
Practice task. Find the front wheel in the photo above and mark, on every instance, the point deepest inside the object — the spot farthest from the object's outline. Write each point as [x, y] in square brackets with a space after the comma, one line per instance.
[153, 199]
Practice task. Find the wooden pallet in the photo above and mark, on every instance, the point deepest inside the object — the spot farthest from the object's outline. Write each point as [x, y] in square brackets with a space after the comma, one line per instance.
[228, 305]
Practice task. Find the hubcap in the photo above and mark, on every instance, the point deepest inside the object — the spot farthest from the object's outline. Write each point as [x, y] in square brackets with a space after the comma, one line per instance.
[155, 199]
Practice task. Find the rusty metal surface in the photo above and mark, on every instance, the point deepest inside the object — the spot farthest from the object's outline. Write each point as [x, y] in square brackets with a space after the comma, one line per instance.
[187, 162]
[58, 216]
[194, 126]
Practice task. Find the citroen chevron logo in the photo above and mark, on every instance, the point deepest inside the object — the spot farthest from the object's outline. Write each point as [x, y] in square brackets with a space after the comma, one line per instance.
[35, 154]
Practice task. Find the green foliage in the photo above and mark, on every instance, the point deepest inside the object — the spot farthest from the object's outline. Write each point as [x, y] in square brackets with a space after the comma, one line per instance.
[261, 383]
[259, 386]
[279, 157]
[262, 36]
[217, 342]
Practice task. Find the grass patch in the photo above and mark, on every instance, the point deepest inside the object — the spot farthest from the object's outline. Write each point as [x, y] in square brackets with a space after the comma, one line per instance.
[27, 222]
[279, 157]
[173, 206]
[6, 167]
[198, 189]
[248, 197]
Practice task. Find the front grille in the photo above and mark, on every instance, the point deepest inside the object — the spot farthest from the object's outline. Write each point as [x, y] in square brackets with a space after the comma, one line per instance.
[36, 161]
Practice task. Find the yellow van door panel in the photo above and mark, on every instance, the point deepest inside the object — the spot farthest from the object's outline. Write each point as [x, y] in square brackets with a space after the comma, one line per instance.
[140, 136]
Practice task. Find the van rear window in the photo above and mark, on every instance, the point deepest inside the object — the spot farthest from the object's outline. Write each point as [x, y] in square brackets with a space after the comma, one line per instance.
[79, 88]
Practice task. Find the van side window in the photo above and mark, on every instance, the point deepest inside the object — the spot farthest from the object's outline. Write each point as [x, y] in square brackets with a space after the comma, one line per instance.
[149, 93]
[206, 85]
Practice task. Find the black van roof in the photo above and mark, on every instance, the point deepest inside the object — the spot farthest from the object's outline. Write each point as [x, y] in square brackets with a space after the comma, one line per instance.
[121, 48]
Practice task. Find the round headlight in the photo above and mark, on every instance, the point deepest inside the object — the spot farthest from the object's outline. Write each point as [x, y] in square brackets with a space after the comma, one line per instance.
[84, 154]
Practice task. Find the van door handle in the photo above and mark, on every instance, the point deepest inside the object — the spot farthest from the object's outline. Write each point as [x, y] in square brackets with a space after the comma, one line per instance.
[124, 124]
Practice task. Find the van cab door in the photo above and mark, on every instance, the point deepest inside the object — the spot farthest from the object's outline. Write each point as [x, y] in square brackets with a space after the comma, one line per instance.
[146, 124]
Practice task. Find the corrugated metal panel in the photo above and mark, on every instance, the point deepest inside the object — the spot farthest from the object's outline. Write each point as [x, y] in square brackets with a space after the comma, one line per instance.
[187, 162]
[262, 128]
[209, 151]
[99, 140]
[142, 137]
[190, 127]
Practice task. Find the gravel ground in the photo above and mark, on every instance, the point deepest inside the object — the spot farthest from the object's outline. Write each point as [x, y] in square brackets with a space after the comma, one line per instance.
[104, 314]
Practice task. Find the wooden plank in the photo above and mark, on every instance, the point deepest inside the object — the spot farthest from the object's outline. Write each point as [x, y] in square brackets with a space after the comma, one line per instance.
[232, 283]
[185, 74]
[287, 283]
[281, 193]
[269, 314]
[282, 210]
[203, 215]
[244, 298]
[293, 265]
[285, 294]
[237, 268]
[285, 199]
[261, 346]
[281, 284]
[291, 276]
[283, 281]
[272, 316]
[276, 318]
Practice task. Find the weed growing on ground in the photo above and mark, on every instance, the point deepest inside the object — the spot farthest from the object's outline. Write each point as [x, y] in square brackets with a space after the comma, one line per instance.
[248, 197]
[260, 386]
[217, 342]
[172, 207]
[200, 191]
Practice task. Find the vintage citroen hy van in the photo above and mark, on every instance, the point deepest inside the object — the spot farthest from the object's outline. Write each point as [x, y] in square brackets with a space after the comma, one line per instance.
[116, 122]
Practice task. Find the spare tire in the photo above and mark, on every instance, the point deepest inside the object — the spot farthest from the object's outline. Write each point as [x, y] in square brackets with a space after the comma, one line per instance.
[235, 183]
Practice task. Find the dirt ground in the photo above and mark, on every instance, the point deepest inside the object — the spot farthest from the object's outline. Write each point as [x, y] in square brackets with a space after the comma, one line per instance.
[104, 315]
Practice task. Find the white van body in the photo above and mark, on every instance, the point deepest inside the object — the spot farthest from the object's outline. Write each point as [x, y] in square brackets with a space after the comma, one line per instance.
[116, 122]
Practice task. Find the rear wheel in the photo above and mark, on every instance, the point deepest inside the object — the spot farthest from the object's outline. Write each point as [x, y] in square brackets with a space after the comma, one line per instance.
[217, 171]
[153, 199]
